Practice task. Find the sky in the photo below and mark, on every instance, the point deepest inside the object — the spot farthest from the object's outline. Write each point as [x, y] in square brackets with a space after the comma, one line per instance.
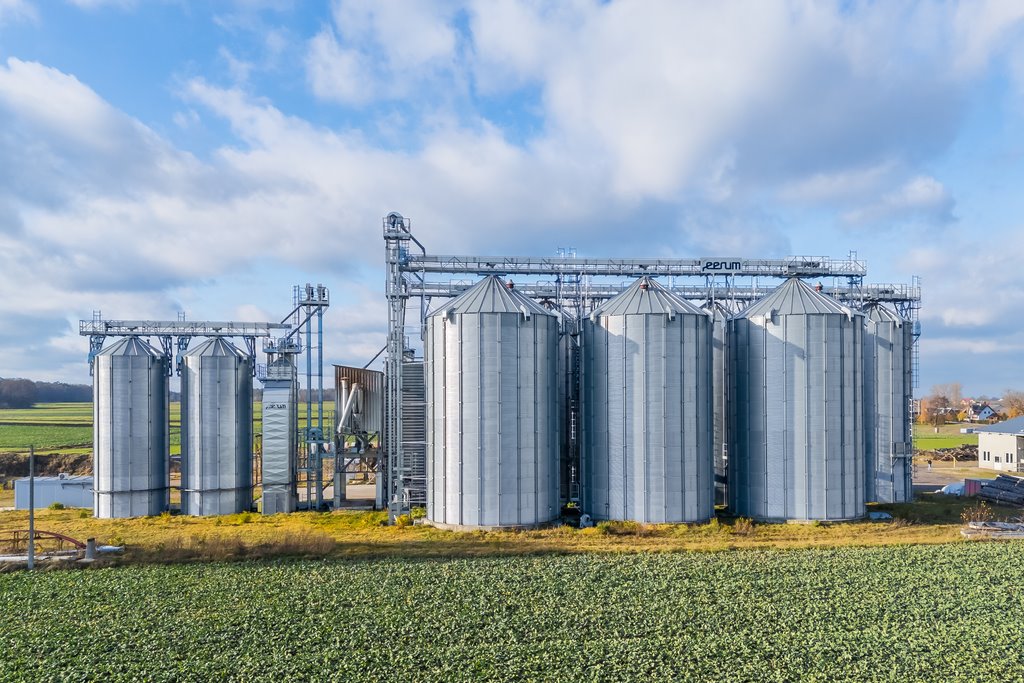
[166, 156]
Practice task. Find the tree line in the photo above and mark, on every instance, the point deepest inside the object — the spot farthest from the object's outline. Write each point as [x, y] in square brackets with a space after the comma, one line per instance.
[944, 404]
[23, 393]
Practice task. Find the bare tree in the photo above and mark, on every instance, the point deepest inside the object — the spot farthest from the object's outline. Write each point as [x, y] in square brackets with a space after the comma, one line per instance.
[1013, 403]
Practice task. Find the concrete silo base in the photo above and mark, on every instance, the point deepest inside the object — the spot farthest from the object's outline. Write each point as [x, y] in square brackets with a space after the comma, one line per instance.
[487, 527]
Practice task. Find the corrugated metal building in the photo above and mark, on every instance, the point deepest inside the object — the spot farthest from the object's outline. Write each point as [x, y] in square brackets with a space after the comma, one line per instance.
[647, 410]
[492, 410]
[796, 446]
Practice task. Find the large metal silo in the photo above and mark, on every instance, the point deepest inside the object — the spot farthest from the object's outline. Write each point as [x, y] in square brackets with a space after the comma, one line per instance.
[888, 392]
[130, 430]
[492, 412]
[647, 410]
[216, 429]
[796, 445]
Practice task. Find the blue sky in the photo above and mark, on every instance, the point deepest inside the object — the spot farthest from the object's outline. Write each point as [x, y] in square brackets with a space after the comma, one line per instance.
[168, 155]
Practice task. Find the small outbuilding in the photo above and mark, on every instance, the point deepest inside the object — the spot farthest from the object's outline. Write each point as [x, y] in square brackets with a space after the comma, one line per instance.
[1001, 446]
[68, 490]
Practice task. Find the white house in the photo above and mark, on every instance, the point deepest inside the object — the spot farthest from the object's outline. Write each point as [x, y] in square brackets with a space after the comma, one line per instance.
[1001, 446]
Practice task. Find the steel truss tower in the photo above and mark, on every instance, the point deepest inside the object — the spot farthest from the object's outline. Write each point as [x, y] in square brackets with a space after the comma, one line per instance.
[575, 286]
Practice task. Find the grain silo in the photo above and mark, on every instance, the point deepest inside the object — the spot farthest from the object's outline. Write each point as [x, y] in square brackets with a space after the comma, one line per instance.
[492, 413]
[130, 430]
[216, 429]
[647, 412]
[888, 392]
[796, 446]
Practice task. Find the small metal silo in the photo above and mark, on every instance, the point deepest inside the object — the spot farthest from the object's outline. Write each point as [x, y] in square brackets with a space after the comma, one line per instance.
[492, 410]
[796, 445]
[130, 430]
[888, 392]
[216, 429]
[647, 411]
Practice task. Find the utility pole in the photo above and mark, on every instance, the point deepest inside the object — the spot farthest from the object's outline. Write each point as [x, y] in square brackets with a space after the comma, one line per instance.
[31, 507]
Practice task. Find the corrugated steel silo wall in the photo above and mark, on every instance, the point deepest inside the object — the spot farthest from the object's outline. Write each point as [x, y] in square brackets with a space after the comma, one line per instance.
[796, 447]
[647, 427]
[720, 409]
[888, 392]
[492, 415]
[216, 434]
[130, 436]
[280, 438]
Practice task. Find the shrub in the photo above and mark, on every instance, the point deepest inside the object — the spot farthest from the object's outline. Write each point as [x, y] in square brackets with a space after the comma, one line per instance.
[56, 505]
[977, 513]
[743, 526]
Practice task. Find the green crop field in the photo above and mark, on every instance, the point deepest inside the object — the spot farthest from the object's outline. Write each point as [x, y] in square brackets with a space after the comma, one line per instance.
[948, 436]
[67, 427]
[886, 614]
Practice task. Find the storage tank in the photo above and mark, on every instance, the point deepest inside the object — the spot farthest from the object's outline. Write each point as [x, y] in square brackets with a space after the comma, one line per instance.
[796, 445]
[130, 430]
[216, 429]
[280, 437]
[888, 392]
[492, 412]
[647, 412]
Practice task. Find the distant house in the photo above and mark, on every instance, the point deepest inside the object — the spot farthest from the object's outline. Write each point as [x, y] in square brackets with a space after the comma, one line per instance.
[979, 412]
[1001, 446]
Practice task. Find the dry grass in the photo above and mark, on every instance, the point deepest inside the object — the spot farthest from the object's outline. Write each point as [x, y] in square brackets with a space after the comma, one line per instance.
[171, 538]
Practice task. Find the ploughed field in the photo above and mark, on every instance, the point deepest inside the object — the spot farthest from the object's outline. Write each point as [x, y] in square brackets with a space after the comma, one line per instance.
[936, 613]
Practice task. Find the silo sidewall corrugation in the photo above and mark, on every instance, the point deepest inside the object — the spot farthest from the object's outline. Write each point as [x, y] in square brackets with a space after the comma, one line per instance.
[492, 437]
[130, 412]
[796, 446]
[647, 421]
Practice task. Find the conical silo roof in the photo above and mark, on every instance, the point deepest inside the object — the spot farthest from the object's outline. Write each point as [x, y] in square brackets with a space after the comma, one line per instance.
[876, 312]
[216, 346]
[491, 295]
[646, 296]
[130, 346]
[795, 297]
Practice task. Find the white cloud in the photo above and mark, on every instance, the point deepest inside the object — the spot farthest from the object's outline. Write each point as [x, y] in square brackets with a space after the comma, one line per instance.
[17, 10]
[97, 4]
[922, 198]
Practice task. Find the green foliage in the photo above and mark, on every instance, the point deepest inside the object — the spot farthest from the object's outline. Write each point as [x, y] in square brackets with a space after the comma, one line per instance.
[403, 520]
[894, 613]
[418, 513]
[56, 505]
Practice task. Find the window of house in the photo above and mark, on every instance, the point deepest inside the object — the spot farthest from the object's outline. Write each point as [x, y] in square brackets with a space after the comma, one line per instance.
[997, 458]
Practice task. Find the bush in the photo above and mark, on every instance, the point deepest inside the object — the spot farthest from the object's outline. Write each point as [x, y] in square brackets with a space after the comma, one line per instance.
[978, 513]
[743, 526]
[418, 513]
[403, 520]
[56, 505]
